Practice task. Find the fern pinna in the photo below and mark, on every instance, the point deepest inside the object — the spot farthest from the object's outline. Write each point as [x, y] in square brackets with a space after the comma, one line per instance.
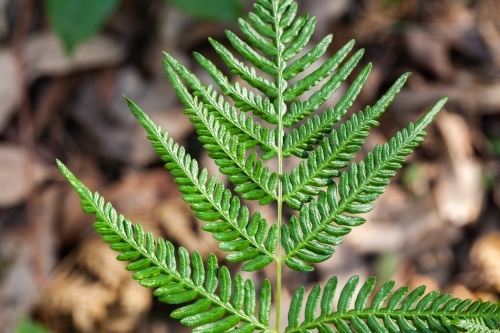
[327, 190]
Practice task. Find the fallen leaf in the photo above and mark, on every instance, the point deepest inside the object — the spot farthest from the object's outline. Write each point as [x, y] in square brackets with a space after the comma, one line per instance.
[44, 55]
[10, 87]
[13, 182]
[484, 254]
[458, 192]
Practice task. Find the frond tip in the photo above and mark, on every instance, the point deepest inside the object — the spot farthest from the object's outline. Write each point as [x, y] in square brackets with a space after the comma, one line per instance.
[403, 311]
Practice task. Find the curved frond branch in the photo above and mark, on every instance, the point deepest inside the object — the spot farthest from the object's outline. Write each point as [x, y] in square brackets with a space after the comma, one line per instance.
[311, 241]
[245, 128]
[335, 151]
[313, 79]
[244, 99]
[308, 59]
[246, 237]
[300, 141]
[253, 180]
[299, 110]
[404, 312]
[248, 73]
[177, 279]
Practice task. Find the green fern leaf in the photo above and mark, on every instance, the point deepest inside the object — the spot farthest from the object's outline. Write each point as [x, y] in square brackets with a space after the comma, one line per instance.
[478, 325]
[230, 223]
[335, 151]
[405, 312]
[249, 74]
[299, 110]
[246, 129]
[302, 140]
[313, 79]
[176, 279]
[358, 188]
[255, 182]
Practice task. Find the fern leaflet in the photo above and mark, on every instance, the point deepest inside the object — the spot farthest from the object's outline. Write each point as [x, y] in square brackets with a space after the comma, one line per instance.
[358, 188]
[404, 312]
[335, 152]
[178, 280]
[255, 182]
[247, 237]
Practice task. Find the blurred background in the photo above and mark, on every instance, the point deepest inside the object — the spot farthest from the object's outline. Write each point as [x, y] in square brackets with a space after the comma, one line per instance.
[64, 66]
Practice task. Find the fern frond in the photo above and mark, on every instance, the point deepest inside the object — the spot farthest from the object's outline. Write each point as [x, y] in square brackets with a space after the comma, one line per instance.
[249, 132]
[357, 189]
[255, 182]
[309, 134]
[313, 79]
[301, 109]
[244, 99]
[247, 237]
[334, 153]
[178, 280]
[303, 63]
[404, 312]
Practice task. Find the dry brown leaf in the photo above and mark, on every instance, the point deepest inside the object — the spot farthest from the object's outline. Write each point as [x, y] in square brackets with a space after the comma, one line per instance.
[485, 254]
[429, 52]
[10, 87]
[13, 181]
[137, 191]
[44, 55]
[95, 290]
[428, 281]
[458, 192]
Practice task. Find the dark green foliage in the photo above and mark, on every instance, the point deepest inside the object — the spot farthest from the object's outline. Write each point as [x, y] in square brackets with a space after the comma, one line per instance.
[328, 190]
[75, 21]
[218, 9]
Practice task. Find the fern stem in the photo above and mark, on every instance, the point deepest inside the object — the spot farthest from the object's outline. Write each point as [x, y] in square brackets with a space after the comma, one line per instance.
[280, 108]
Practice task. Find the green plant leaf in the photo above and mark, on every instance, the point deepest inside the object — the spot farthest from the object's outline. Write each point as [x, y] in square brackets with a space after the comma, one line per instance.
[244, 235]
[28, 326]
[224, 10]
[177, 276]
[405, 312]
[76, 21]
